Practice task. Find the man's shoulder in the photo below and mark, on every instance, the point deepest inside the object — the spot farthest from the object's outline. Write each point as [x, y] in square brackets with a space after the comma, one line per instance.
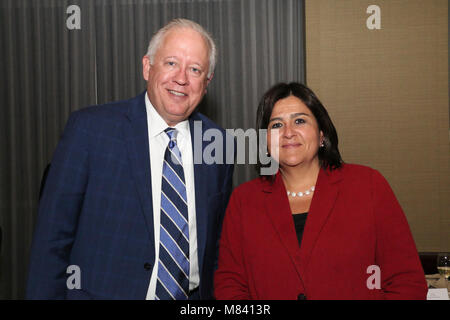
[207, 123]
[109, 109]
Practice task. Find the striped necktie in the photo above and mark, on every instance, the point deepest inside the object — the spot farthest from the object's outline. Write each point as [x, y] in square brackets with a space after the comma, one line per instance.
[173, 265]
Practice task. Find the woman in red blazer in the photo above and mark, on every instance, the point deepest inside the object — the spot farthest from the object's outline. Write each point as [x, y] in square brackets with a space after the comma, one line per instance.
[356, 242]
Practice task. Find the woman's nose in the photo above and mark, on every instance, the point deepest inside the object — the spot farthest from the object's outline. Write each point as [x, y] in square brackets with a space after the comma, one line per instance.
[288, 132]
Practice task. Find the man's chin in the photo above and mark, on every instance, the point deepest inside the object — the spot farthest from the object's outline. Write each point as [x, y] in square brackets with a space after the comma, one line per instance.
[174, 118]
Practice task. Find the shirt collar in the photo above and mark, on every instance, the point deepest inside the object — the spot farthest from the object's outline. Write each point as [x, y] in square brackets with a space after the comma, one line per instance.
[157, 125]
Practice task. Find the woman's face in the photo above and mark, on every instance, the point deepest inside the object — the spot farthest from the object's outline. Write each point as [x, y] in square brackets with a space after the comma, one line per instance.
[293, 133]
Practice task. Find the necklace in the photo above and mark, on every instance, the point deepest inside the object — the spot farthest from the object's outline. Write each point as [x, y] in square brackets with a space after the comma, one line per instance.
[301, 194]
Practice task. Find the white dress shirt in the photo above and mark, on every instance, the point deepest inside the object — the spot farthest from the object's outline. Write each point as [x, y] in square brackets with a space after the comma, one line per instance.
[158, 141]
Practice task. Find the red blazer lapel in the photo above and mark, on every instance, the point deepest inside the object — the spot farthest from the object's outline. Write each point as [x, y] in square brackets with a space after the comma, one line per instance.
[278, 209]
[324, 198]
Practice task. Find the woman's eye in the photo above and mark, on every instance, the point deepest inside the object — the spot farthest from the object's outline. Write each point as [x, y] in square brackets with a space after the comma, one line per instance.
[276, 125]
[299, 121]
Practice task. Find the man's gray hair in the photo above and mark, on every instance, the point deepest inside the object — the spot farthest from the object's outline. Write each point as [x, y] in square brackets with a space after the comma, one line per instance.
[158, 38]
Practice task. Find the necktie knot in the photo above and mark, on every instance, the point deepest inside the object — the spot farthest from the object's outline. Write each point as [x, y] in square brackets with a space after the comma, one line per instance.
[172, 134]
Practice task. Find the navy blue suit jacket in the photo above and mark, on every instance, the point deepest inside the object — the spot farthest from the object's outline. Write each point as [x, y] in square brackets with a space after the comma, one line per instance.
[96, 208]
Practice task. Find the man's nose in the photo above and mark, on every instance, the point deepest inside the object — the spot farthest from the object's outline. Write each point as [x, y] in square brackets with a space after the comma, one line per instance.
[181, 77]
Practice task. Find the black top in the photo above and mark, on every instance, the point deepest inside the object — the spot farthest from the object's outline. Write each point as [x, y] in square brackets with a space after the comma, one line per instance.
[299, 223]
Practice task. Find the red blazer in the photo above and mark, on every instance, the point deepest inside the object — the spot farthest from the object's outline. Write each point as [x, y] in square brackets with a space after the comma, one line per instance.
[354, 222]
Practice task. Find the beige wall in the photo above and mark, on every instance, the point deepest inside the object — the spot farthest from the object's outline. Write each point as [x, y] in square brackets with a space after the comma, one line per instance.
[387, 93]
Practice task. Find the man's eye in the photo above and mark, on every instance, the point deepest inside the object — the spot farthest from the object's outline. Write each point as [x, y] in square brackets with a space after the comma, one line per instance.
[196, 70]
[170, 63]
[299, 121]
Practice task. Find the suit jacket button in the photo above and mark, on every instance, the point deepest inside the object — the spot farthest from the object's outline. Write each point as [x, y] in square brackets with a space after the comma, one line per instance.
[301, 296]
[147, 266]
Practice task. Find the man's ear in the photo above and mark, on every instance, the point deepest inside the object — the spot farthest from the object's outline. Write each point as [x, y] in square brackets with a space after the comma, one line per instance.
[145, 67]
[208, 80]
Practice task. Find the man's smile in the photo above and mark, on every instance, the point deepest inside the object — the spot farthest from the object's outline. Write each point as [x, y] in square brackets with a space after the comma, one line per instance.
[177, 93]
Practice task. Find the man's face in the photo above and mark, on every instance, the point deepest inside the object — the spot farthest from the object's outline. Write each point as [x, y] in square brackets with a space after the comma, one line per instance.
[177, 79]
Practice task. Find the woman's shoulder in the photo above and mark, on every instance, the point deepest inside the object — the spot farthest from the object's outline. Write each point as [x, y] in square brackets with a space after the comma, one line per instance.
[250, 193]
[253, 185]
[357, 169]
[360, 172]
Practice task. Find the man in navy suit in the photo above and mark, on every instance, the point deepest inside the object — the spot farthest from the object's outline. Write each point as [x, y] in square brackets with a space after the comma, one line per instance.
[99, 223]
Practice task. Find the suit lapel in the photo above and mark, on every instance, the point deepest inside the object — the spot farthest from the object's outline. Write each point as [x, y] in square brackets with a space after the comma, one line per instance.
[136, 136]
[323, 201]
[279, 212]
[201, 187]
